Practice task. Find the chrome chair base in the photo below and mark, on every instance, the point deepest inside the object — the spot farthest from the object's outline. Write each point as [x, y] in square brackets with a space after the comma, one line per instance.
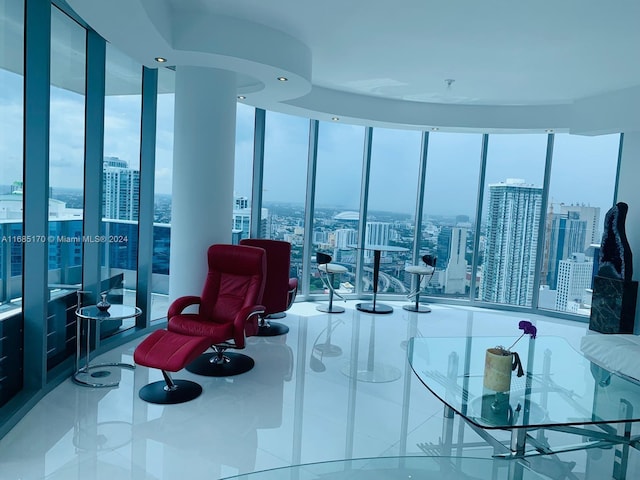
[157, 392]
[417, 308]
[272, 329]
[233, 364]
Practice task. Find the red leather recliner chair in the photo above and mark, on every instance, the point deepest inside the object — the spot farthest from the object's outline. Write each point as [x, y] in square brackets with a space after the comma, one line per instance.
[280, 290]
[228, 311]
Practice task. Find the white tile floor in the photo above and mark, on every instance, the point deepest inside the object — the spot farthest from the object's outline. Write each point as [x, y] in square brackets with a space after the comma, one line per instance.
[294, 407]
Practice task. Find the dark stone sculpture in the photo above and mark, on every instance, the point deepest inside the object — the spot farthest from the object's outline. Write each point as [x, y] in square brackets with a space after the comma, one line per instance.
[613, 303]
[615, 253]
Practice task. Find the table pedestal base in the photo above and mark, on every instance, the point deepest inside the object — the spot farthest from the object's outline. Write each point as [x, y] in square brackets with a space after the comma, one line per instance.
[374, 308]
[91, 376]
[376, 373]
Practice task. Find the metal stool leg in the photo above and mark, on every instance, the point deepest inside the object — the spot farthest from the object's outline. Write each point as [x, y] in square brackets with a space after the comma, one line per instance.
[417, 307]
[330, 308]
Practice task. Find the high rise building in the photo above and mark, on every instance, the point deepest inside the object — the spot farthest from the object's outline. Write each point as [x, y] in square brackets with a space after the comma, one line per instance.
[574, 278]
[443, 247]
[511, 243]
[121, 190]
[566, 234]
[241, 220]
[591, 215]
[456, 267]
[345, 237]
[240, 203]
[376, 233]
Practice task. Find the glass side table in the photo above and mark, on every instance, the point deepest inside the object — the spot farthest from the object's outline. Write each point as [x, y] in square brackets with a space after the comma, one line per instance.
[97, 375]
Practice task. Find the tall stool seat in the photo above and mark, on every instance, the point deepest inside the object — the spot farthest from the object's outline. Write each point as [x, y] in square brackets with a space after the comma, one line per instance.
[420, 271]
[329, 270]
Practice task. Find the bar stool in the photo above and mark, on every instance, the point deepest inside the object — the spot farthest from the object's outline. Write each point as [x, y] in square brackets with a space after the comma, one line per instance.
[330, 270]
[428, 269]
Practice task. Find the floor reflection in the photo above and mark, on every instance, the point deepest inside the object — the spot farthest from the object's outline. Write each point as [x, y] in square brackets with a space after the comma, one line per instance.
[335, 387]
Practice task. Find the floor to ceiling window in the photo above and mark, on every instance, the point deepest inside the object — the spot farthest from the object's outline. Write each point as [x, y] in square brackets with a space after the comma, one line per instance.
[243, 172]
[581, 190]
[511, 217]
[66, 180]
[121, 177]
[162, 193]
[336, 216]
[449, 211]
[391, 209]
[11, 198]
[285, 182]
[11, 171]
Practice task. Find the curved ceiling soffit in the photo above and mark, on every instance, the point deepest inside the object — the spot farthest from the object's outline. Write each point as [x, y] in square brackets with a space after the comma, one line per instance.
[146, 29]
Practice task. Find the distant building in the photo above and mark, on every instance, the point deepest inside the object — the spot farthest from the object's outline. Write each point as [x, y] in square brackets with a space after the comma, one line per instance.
[511, 243]
[241, 220]
[443, 247]
[345, 237]
[574, 279]
[591, 215]
[376, 233]
[566, 234]
[456, 268]
[240, 203]
[121, 190]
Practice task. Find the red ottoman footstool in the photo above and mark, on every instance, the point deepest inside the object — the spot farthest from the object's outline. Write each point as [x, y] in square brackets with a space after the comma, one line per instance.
[170, 352]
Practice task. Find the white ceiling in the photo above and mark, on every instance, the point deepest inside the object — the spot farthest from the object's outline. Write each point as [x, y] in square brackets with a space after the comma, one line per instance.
[522, 65]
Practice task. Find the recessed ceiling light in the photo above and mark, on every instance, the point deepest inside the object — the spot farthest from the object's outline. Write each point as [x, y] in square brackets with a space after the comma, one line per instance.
[241, 97]
[283, 79]
[160, 59]
[335, 119]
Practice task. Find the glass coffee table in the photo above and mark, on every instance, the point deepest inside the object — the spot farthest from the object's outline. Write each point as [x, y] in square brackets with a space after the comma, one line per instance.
[561, 391]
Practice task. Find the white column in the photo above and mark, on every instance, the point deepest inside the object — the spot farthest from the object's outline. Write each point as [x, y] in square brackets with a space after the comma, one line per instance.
[629, 193]
[203, 163]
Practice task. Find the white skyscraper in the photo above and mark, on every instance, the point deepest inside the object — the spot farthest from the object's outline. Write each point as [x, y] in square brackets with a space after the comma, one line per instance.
[512, 241]
[574, 278]
[376, 233]
[241, 223]
[456, 269]
[345, 237]
[121, 190]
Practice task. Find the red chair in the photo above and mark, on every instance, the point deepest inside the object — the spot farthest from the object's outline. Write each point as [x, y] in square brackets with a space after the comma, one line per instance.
[228, 310]
[280, 290]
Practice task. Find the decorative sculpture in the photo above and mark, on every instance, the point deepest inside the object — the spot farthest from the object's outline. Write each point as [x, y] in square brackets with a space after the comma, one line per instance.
[613, 303]
[615, 252]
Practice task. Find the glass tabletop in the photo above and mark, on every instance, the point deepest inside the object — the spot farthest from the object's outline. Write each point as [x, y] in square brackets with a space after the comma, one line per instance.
[382, 248]
[396, 468]
[560, 387]
[115, 312]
